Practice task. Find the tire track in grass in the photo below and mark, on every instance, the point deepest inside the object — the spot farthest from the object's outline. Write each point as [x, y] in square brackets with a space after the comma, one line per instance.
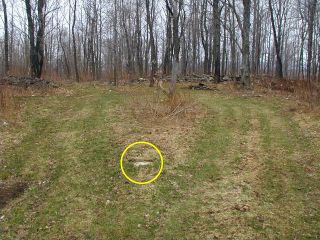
[308, 163]
[86, 183]
[233, 198]
[209, 210]
[151, 203]
[285, 184]
[35, 161]
[58, 209]
[278, 199]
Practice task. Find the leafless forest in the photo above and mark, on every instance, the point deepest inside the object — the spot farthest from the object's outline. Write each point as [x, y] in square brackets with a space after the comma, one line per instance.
[129, 39]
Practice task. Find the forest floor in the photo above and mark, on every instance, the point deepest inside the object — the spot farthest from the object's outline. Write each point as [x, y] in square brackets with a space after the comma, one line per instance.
[237, 166]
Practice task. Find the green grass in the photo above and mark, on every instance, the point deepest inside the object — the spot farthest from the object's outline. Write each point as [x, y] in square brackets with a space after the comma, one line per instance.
[246, 176]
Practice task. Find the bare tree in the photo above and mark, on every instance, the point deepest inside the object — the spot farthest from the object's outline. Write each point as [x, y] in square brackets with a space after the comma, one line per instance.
[233, 41]
[216, 39]
[36, 36]
[278, 18]
[75, 57]
[167, 61]
[154, 54]
[312, 10]
[175, 9]
[6, 38]
[128, 36]
[205, 37]
[256, 37]
[64, 51]
[138, 38]
[246, 44]
[115, 42]
[245, 33]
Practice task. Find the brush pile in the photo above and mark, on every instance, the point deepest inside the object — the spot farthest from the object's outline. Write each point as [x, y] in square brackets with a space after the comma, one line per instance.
[27, 82]
[202, 86]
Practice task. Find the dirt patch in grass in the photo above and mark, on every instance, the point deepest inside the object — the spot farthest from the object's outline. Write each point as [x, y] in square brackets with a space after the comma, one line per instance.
[11, 190]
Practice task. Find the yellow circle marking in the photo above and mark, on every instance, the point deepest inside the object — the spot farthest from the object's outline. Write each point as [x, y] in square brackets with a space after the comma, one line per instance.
[142, 143]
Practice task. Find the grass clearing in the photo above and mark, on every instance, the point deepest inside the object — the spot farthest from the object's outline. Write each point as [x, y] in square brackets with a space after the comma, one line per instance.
[235, 167]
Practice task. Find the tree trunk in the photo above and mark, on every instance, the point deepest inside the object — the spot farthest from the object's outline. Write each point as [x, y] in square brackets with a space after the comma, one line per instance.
[245, 77]
[216, 39]
[128, 37]
[224, 47]
[154, 54]
[138, 40]
[167, 64]
[194, 34]
[312, 10]
[277, 42]
[205, 37]
[74, 42]
[115, 43]
[233, 45]
[6, 38]
[64, 55]
[36, 48]
[175, 7]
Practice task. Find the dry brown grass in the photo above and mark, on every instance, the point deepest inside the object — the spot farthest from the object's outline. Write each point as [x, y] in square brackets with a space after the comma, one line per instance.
[53, 76]
[152, 116]
[18, 71]
[299, 88]
[159, 108]
[10, 107]
[7, 103]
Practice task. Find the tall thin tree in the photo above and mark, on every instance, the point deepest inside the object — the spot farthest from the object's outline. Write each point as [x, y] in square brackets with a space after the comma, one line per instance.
[311, 10]
[75, 58]
[216, 39]
[175, 8]
[277, 39]
[246, 44]
[6, 38]
[154, 54]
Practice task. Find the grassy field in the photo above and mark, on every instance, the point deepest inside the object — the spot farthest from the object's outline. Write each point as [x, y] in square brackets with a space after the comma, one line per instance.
[236, 167]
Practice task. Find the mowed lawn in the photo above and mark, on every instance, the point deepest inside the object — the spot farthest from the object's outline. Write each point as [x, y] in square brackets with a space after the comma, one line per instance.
[242, 168]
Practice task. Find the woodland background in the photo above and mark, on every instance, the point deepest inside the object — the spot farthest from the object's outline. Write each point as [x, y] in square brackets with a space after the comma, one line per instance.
[129, 39]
